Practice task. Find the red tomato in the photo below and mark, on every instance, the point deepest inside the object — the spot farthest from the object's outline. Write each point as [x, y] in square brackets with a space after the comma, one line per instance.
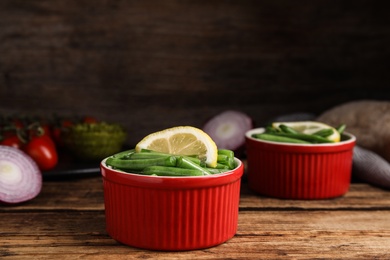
[43, 151]
[45, 126]
[46, 130]
[12, 140]
[38, 128]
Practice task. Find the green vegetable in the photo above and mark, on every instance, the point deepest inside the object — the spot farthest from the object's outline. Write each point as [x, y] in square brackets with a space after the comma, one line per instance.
[226, 158]
[308, 138]
[270, 129]
[277, 138]
[286, 134]
[136, 156]
[222, 166]
[162, 164]
[304, 137]
[124, 154]
[147, 154]
[186, 163]
[222, 158]
[226, 152]
[216, 170]
[341, 128]
[324, 132]
[288, 130]
[140, 164]
[170, 171]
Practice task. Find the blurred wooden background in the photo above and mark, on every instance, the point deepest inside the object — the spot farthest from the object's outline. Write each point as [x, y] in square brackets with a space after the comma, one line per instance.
[154, 64]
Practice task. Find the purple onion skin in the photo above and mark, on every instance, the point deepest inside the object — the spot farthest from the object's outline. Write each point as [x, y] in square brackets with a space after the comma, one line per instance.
[239, 121]
[30, 183]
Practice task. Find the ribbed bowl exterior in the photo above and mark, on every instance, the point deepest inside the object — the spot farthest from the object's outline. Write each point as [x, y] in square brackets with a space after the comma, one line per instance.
[299, 171]
[171, 213]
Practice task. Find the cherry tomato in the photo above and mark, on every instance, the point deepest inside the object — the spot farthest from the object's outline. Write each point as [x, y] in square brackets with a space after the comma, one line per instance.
[43, 151]
[13, 141]
[37, 128]
[11, 136]
[45, 126]
[46, 129]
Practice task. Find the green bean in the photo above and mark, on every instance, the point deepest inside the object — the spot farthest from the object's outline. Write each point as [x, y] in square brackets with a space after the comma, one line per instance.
[195, 160]
[286, 129]
[271, 129]
[276, 138]
[170, 171]
[222, 166]
[225, 160]
[216, 170]
[341, 128]
[324, 132]
[306, 137]
[222, 158]
[142, 155]
[139, 164]
[149, 154]
[226, 152]
[226, 157]
[186, 163]
[152, 151]
[232, 163]
[124, 154]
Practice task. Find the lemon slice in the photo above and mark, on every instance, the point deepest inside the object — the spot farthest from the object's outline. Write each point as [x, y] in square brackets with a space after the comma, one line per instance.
[182, 140]
[310, 127]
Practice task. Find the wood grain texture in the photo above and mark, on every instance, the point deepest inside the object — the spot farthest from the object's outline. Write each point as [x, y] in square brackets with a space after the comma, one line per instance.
[155, 64]
[265, 235]
[67, 220]
[86, 194]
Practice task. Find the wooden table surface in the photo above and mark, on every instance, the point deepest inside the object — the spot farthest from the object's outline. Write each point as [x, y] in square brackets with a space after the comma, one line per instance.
[67, 221]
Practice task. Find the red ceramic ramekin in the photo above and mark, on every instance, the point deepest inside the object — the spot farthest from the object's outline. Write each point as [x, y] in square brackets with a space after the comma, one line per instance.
[171, 213]
[299, 171]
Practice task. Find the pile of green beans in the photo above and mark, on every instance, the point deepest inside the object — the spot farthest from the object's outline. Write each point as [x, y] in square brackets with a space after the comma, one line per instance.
[148, 162]
[287, 134]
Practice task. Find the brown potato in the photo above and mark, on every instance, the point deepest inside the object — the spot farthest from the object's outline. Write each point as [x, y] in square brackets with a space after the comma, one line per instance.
[368, 120]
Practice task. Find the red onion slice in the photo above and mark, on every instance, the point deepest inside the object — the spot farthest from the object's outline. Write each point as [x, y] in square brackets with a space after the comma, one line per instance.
[20, 177]
[228, 129]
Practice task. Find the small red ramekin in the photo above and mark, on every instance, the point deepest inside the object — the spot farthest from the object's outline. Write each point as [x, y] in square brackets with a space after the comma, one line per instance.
[171, 213]
[299, 171]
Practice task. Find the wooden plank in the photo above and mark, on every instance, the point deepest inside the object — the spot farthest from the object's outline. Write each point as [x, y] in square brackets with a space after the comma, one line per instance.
[359, 196]
[81, 194]
[268, 234]
[87, 194]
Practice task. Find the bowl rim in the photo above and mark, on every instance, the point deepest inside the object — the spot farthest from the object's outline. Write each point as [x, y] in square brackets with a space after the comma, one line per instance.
[248, 135]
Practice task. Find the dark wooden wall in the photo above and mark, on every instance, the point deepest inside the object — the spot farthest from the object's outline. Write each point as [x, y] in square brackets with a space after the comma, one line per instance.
[153, 64]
